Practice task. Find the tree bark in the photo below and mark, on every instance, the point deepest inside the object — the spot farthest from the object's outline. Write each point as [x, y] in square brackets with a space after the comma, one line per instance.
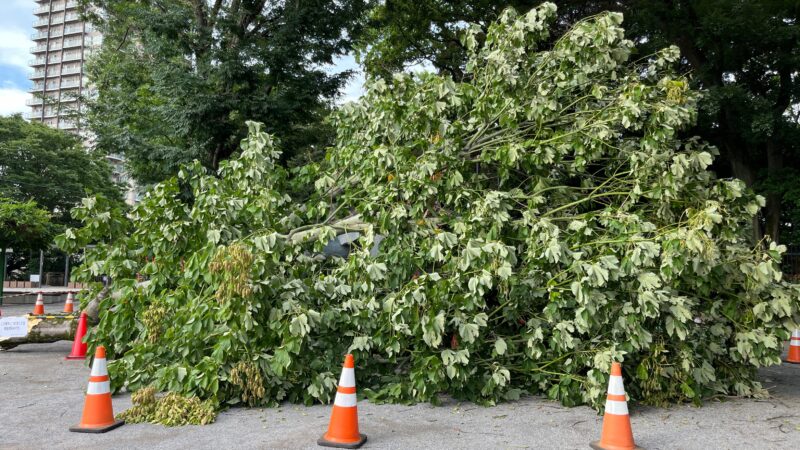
[773, 209]
[43, 330]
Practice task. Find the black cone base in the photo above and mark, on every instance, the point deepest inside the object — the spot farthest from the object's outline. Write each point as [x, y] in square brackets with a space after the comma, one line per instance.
[78, 429]
[321, 441]
[596, 446]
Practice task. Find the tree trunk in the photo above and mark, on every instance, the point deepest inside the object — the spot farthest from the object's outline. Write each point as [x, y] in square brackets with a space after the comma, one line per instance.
[773, 209]
[43, 330]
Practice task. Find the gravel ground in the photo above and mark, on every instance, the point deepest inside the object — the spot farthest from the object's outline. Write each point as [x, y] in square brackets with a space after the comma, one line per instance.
[41, 396]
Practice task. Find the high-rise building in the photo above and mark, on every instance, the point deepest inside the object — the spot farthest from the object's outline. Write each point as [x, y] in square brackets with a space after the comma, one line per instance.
[62, 43]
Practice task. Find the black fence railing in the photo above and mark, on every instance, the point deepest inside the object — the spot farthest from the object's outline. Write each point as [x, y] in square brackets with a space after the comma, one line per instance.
[791, 262]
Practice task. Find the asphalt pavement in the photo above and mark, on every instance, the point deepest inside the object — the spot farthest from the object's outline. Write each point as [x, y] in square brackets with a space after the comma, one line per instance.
[41, 396]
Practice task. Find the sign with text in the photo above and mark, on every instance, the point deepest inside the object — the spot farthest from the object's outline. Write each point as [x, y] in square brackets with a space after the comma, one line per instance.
[13, 327]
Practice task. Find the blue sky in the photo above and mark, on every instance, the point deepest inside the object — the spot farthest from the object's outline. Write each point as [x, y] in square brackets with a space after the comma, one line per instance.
[16, 27]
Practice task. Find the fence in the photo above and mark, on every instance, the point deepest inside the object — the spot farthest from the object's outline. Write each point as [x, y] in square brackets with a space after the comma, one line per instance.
[33, 284]
[791, 263]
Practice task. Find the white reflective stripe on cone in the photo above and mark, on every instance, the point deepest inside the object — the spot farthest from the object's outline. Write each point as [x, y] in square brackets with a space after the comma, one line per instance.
[99, 387]
[346, 400]
[796, 334]
[616, 407]
[99, 368]
[615, 386]
[348, 378]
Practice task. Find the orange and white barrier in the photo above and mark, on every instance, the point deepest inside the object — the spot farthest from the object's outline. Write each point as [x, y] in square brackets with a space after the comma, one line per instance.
[617, 433]
[98, 415]
[794, 348]
[69, 304]
[343, 428]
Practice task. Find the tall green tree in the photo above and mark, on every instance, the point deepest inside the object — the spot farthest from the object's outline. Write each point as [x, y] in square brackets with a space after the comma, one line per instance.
[176, 79]
[744, 54]
[23, 226]
[50, 167]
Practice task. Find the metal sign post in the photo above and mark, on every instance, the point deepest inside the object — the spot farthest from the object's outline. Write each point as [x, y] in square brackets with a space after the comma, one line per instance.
[2, 273]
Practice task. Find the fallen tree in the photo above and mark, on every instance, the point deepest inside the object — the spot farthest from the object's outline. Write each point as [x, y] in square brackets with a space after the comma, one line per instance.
[540, 220]
[43, 329]
[57, 327]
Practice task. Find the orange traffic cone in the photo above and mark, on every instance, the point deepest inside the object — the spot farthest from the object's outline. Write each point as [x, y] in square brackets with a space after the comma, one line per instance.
[98, 416]
[794, 348]
[343, 428]
[69, 304]
[38, 310]
[617, 434]
[78, 346]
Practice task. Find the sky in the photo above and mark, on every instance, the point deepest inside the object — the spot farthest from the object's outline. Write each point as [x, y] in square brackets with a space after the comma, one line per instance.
[16, 27]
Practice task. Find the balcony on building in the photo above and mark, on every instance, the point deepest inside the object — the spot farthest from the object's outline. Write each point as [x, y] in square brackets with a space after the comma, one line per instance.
[37, 62]
[33, 101]
[41, 22]
[36, 75]
[70, 70]
[73, 29]
[43, 9]
[72, 4]
[72, 17]
[37, 87]
[66, 125]
[39, 36]
[39, 49]
[65, 84]
[71, 43]
[71, 57]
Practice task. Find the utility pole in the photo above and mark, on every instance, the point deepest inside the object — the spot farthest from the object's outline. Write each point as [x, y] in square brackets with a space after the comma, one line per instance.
[2, 272]
[66, 271]
[41, 267]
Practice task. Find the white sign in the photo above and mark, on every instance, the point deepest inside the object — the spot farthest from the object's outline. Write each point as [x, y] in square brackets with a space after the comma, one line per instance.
[13, 327]
[34, 278]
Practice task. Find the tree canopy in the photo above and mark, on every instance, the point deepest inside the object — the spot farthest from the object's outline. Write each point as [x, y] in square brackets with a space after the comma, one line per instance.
[50, 167]
[540, 218]
[176, 80]
[744, 55]
[23, 226]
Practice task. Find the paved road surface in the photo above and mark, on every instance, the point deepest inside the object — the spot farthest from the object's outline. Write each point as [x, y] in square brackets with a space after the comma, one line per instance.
[41, 395]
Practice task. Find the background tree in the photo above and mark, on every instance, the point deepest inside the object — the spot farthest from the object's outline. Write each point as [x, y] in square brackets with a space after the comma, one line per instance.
[743, 54]
[51, 167]
[23, 226]
[177, 79]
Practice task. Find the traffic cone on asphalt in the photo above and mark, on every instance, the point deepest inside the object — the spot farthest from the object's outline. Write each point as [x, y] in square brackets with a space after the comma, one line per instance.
[38, 310]
[98, 416]
[617, 434]
[794, 348]
[78, 346]
[69, 304]
[343, 427]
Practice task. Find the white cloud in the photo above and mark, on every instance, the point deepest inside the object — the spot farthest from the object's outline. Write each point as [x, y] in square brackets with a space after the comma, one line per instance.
[15, 48]
[13, 101]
